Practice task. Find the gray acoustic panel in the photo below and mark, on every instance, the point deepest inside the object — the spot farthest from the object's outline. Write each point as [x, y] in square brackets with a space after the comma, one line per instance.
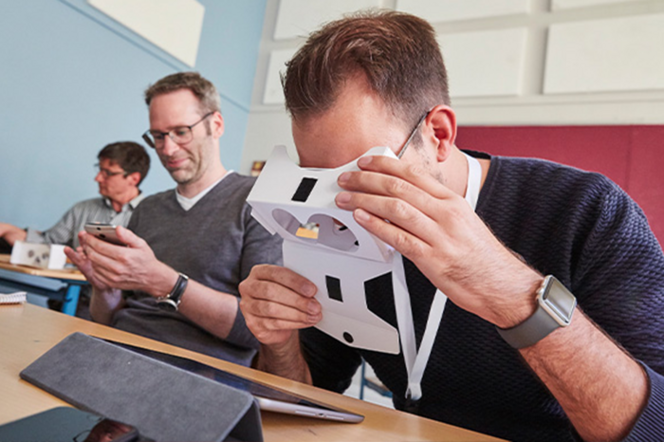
[485, 63]
[174, 26]
[443, 11]
[297, 18]
[571, 4]
[610, 55]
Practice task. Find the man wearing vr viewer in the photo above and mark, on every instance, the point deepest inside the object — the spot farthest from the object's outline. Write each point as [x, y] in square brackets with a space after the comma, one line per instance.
[514, 355]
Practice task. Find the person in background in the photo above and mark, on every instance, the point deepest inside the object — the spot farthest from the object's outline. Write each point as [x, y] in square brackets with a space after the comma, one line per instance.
[121, 169]
[507, 246]
[187, 249]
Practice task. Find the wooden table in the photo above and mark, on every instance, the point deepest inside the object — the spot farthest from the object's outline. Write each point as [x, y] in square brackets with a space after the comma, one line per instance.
[28, 331]
[64, 285]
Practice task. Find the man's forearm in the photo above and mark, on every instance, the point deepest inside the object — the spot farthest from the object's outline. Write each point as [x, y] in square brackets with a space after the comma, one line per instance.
[600, 387]
[210, 309]
[286, 361]
[104, 304]
[11, 233]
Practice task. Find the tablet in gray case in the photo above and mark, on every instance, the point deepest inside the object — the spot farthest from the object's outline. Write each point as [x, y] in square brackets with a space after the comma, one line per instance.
[269, 398]
[165, 403]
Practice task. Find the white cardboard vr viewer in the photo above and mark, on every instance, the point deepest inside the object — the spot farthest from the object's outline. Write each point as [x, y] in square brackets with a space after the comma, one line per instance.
[341, 259]
[45, 256]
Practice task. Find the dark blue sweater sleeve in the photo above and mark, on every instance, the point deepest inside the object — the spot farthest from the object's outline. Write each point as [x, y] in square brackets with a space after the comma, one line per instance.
[621, 271]
[650, 425]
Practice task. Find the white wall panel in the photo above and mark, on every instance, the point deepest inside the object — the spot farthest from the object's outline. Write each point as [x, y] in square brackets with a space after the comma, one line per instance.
[510, 62]
[453, 10]
[568, 4]
[274, 94]
[486, 63]
[269, 130]
[297, 18]
[174, 26]
[623, 54]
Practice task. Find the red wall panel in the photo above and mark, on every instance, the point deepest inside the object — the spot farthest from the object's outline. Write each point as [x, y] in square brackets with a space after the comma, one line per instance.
[646, 175]
[631, 156]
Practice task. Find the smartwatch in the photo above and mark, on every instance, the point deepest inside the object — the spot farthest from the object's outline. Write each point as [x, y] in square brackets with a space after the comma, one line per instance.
[172, 300]
[555, 307]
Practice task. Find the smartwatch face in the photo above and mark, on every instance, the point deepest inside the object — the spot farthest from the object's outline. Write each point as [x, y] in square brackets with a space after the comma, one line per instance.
[558, 300]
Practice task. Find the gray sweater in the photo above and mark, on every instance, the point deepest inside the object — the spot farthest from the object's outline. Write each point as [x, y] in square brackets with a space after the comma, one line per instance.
[215, 243]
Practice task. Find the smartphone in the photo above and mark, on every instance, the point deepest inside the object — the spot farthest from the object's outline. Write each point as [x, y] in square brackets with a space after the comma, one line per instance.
[66, 424]
[105, 232]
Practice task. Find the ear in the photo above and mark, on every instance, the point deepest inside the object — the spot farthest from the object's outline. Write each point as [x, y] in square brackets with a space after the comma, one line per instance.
[134, 178]
[441, 128]
[217, 125]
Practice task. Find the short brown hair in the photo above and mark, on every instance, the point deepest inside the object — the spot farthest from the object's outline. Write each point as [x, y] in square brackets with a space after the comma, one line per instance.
[397, 52]
[130, 156]
[202, 88]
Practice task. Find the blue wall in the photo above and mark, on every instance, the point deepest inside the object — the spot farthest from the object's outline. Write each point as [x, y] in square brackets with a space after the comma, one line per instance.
[71, 82]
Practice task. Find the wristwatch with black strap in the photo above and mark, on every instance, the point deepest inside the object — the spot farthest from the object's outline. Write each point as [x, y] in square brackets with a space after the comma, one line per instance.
[555, 307]
[171, 301]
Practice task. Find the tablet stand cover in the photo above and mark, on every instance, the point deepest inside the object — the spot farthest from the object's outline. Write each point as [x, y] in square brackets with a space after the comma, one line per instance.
[165, 403]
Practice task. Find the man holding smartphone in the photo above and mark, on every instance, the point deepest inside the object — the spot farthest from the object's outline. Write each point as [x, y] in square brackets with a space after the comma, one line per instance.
[187, 249]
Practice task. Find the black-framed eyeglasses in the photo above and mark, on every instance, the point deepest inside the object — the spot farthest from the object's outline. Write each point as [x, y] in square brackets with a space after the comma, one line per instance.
[179, 135]
[412, 134]
[107, 173]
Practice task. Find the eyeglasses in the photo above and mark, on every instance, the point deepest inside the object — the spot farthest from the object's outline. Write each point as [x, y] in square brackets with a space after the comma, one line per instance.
[412, 134]
[107, 173]
[179, 135]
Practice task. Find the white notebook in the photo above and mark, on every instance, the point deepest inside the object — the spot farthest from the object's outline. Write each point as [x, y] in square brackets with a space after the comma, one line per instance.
[13, 298]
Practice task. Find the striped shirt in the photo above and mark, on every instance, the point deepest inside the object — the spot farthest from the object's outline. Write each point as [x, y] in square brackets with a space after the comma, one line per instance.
[98, 210]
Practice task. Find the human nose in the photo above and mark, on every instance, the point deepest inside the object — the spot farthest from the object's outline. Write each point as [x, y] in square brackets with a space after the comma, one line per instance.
[99, 177]
[169, 146]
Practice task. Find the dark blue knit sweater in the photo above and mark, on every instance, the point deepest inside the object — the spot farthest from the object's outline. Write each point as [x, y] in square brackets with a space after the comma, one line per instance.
[576, 225]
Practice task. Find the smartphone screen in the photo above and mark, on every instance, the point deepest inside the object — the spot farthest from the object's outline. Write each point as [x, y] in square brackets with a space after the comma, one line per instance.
[66, 424]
